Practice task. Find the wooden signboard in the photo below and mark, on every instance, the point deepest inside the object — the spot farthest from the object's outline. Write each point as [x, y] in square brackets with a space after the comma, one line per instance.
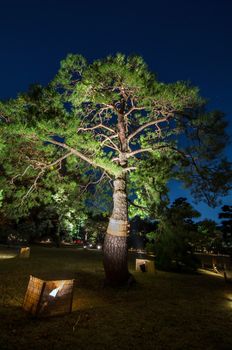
[48, 298]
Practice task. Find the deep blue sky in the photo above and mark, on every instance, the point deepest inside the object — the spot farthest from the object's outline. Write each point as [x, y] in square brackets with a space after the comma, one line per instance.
[180, 40]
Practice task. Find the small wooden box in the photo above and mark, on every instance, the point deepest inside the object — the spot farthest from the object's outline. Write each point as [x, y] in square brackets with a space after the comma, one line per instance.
[144, 265]
[24, 252]
[48, 298]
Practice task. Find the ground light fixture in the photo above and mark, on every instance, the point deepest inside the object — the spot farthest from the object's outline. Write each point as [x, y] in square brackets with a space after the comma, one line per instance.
[144, 265]
[24, 252]
[48, 298]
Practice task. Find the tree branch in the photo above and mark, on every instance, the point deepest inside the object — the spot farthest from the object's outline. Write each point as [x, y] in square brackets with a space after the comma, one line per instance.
[137, 205]
[132, 110]
[25, 171]
[144, 126]
[33, 186]
[41, 166]
[74, 151]
[97, 127]
[94, 182]
[58, 161]
[109, 138]
[133, 153]
[78, 154]
[129, 169]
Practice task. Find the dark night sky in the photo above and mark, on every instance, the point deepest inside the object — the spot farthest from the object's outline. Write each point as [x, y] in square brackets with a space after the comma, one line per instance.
[179, 39]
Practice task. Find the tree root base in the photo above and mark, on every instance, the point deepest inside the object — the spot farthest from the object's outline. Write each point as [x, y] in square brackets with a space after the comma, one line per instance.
[130, 282]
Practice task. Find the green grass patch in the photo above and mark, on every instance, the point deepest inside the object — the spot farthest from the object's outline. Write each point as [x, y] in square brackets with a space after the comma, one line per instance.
[162, 311]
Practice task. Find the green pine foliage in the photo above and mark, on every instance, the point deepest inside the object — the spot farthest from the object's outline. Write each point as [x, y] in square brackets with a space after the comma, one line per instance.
[169, 134]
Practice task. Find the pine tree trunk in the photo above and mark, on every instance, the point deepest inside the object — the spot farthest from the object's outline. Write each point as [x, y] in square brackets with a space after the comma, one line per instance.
[115, 244]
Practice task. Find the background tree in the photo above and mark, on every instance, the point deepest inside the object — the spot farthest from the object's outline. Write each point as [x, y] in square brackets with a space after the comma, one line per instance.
[32, 210]
[175, 239]
[95, 228]
[59, 220]
[115, 116]
[226, 226]
[209, 237]
[140, 227]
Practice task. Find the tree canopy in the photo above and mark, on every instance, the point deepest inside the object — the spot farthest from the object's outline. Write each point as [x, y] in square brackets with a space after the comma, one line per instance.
[169, 133]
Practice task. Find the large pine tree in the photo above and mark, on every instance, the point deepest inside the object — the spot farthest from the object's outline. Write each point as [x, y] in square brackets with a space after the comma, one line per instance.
[114, 118]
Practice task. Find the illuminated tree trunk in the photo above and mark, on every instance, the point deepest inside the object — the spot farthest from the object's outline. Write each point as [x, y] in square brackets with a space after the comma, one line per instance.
[115, 244]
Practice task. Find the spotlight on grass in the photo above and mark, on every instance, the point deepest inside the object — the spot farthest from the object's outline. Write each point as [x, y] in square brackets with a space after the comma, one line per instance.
[7, 256]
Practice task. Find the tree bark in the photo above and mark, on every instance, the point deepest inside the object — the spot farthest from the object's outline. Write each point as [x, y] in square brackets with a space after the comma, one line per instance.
[115, 244]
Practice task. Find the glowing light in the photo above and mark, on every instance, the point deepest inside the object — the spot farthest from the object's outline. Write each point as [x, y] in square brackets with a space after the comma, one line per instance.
[211, 273]
[228, 298]
[99, 246]
[54, 292]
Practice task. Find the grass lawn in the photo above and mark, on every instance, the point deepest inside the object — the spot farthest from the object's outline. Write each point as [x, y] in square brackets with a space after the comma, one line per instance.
[162, 311]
